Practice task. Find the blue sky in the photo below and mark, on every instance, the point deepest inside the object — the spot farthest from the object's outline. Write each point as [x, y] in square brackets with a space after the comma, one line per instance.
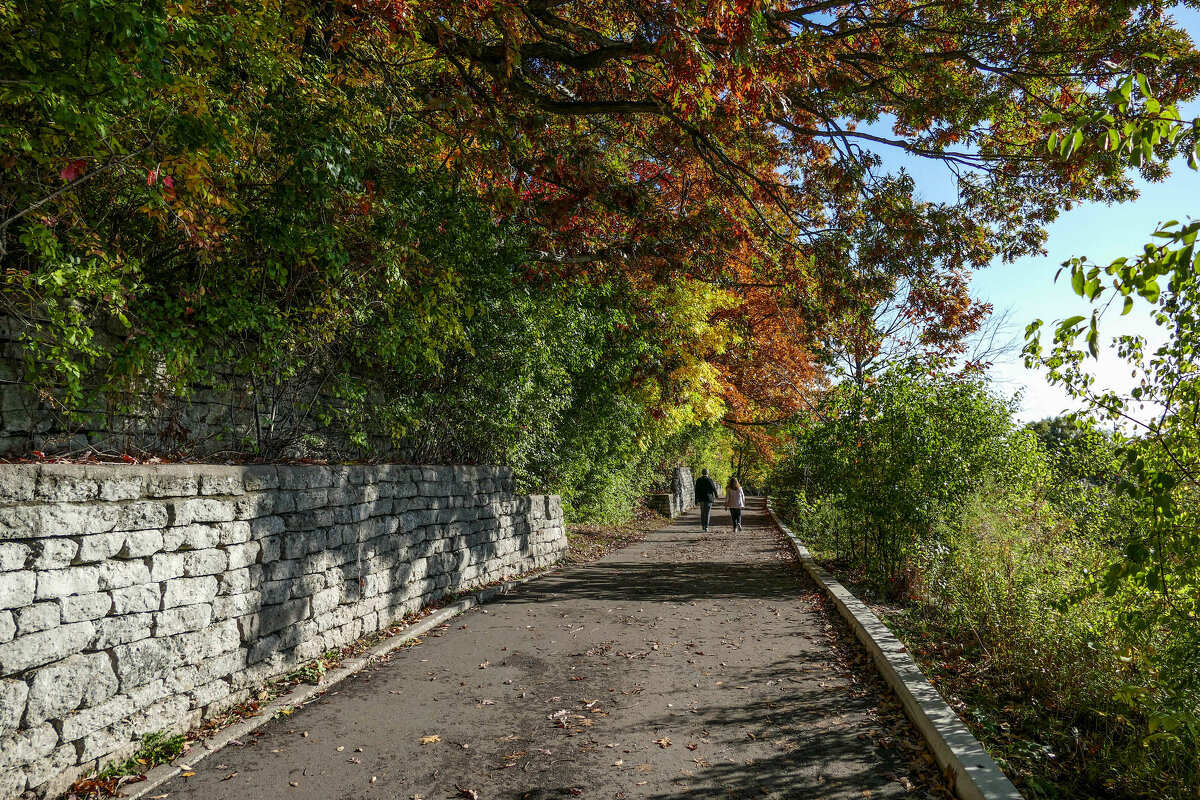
[1095, 230]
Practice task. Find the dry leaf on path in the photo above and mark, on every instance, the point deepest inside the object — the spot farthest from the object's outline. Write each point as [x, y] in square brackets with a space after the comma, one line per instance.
[431, 739]
[663, 742]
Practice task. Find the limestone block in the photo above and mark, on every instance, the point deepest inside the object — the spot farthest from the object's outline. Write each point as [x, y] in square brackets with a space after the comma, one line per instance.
[292, 477]
[183, 619]
[172, 481]
[308, 584]
[70, 519]
[135, 599]
[17, 589]
[274, 618]
[192, 537]
[55, 553]
[202, 509]
[253, 676]
[38, 617]
[266, 526]
[139, 544]
[64, 582]
[27, 746]
[220, 481]
[230, 533]
[308, 520]
[283, 502]
[8, 626]
[217, 639]
[13, 556]
[275, 592]
[165, 566]
[258, 478]
[310, 649]
[51, 776]
[189, 591]
[36, 649]
[98, 547]
[18, 522]
[144, 661]
[87, 721]
[108, 744]
[12, 782]
[113, 631]
[148, 692]
[236, 581]
[64, 483]
[119, 482]
[300, 543]
[142, 515]
[266, 649]
[204, 562]
[80, 680]
[13, 695]
[222, 666]
[283, 570]
[242, 555]
[318, 562]
[342, 495]
[114, 574]
[237, 605]
[326, 600]
[353, 513]
[17, 483]
[210, 693]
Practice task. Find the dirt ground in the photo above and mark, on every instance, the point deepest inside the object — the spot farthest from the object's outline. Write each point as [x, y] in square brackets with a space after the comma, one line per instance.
[685, 665]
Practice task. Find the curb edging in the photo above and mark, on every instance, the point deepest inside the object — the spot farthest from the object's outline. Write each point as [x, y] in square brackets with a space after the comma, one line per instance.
[303, 693]
[960, 755]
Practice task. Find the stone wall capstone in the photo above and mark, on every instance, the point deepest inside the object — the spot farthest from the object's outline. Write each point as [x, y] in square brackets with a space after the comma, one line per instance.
[135, 599]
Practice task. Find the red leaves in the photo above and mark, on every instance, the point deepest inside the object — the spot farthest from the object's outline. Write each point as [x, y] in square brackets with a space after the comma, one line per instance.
[74, 170]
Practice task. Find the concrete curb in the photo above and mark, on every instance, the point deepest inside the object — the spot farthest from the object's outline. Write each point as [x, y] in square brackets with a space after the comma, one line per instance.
[303, 693]
[974, 774]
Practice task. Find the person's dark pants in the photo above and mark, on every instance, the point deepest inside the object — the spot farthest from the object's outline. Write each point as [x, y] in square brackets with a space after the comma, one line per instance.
[736, 513]
[705, 514]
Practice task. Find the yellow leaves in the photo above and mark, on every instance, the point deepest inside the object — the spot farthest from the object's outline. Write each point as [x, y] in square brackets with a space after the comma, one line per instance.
[432, 739]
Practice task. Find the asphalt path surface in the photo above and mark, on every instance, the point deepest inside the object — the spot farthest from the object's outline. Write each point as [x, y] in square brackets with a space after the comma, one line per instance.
[689, 664]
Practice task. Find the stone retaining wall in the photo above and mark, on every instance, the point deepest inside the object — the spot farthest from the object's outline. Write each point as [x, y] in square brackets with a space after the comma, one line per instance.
[681, 497]
[135, 599]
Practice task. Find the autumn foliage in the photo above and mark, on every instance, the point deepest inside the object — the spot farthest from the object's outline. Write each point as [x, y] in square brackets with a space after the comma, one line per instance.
[382, 193]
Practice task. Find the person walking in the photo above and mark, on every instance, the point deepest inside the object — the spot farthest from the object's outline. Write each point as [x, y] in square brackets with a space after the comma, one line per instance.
[735, 501]
[706, 492]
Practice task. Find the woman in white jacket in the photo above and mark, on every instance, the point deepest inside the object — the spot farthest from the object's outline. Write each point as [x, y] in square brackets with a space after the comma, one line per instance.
[735, 501]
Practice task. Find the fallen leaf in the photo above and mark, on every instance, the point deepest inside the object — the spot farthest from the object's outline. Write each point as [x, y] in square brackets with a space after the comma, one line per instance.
[354, 760]
[187, 774]
[230, 775]
[292, 783]
[470, 794]
[340, 749]
[664, 742]
[431, 739]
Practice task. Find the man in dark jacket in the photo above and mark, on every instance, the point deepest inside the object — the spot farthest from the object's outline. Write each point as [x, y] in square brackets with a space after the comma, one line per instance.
[706, 492]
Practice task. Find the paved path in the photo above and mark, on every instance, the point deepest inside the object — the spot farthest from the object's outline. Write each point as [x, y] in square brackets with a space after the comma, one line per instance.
[688, 664]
